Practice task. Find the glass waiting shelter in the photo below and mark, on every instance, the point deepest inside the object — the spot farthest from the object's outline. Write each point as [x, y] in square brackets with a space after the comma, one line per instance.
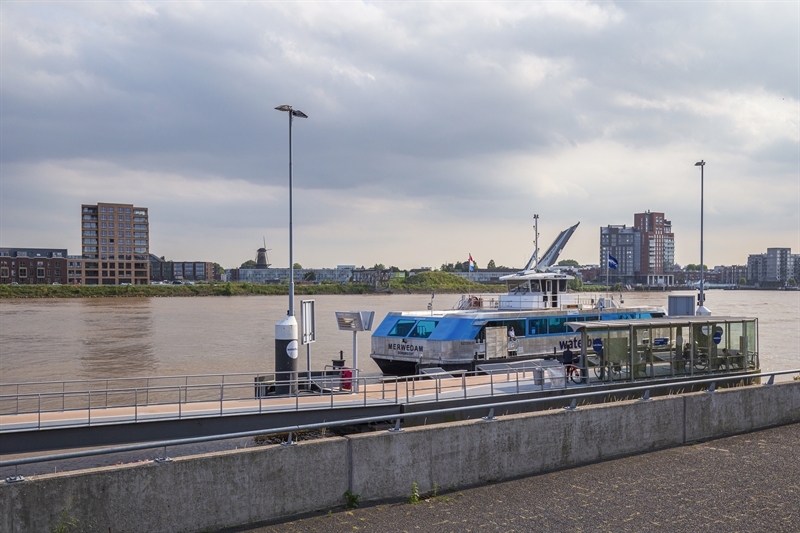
[666, 347]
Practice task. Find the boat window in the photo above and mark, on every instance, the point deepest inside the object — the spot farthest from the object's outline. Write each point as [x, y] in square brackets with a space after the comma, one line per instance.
[556, 325]
[402, 328]
[537, 326]
[574, 318]
[518, 325]
[590, 318]
[562, 285]
[535, 286]
[424, 328]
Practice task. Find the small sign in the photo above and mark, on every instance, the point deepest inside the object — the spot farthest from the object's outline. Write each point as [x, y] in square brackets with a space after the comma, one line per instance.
[718, 336]
[308, 330]
[597, 344]
[291, 350]
[660, 341]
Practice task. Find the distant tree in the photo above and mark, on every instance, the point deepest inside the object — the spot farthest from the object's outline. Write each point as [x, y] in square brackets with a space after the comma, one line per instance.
[310, 276]
[379, 266]
[742, 281]
[297, 266]
[162, 258]
[394, 269]
[575, 284]
[491, 265]
[792, 282]
[448, 267]
[568, 263]
[218, 268]
[248, 264]
[691, 267]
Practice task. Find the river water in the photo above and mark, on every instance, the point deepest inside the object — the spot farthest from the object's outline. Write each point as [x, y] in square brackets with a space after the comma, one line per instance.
[62, 339]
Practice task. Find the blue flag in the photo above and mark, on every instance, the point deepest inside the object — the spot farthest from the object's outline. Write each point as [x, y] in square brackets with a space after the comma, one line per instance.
[612, 263]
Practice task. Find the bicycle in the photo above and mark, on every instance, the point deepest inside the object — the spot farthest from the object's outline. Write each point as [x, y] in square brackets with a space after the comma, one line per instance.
[573, 373]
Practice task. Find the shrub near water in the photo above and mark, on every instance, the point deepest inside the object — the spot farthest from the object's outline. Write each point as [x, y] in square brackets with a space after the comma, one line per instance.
[423, 282]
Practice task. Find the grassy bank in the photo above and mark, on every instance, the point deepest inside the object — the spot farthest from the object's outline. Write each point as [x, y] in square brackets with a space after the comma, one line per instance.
[421, 283]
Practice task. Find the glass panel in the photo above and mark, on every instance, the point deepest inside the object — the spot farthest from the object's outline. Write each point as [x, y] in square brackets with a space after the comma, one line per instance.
[752, 344]
[556, 325]
[735, 340]
[617, 353]
[537, 326]
[643, 357]
[701, 339]
[424, 328]
[683, 351]
[401, 329]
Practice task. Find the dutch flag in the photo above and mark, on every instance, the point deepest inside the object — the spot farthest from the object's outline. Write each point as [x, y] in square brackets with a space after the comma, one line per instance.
[612, 263]
[471, 263]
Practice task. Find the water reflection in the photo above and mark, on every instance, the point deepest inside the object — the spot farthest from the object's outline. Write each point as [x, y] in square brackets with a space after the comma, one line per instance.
[117, 338]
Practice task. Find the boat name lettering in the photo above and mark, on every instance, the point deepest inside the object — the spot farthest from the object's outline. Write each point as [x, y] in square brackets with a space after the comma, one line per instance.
[405, 348]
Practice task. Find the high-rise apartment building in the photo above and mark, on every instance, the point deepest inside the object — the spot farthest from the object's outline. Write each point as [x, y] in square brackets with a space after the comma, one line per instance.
[774, 268]
[645, 253]
[657, 251]
[115, 244]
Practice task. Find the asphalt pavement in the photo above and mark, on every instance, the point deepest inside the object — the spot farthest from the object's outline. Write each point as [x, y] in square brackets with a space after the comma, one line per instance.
[746, 483]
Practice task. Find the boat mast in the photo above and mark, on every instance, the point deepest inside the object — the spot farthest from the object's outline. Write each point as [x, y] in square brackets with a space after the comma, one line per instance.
[536, 238]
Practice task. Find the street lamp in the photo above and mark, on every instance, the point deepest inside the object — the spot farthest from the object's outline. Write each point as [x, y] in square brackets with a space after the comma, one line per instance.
[701, 310]
[286, 348]
[292, 113]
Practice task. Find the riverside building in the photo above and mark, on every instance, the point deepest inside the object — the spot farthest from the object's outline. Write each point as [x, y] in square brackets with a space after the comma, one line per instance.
[115, 245]
[645, 253]
[33, 266]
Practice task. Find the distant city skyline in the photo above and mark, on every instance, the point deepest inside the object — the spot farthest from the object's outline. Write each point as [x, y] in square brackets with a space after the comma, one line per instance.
[435, 130]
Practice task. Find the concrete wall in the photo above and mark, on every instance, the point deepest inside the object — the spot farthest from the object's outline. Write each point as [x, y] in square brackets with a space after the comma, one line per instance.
[231, 488]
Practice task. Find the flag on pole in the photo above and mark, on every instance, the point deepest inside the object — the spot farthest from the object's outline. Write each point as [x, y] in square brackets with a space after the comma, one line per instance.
[471, 263]
[612, 263]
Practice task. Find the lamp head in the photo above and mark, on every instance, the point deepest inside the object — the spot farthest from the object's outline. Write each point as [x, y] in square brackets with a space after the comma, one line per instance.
[284, 108]
[700, 164]
[299, 114]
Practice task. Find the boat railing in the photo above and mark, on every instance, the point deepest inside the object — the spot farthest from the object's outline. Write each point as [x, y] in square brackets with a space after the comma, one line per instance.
[477, 301]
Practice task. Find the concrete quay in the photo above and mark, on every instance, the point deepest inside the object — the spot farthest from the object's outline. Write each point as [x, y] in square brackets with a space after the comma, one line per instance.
[749, 482]
[214, 491]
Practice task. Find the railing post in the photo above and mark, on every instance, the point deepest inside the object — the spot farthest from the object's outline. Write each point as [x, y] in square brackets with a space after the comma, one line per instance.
[221, 394]
[517, 373]
[491, 384]
[63, 395]
[89, 409]
[147, 392]
[135, 405]
[365, 390]
[106, 394]
[180, 409]
[464, 384]
[39, 410]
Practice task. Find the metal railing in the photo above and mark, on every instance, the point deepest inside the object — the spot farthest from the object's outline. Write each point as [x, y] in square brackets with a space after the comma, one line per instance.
[645, 391]
[328, 389]
[103, 406]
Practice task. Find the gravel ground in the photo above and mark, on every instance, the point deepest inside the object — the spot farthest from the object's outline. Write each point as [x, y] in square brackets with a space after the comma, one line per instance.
[747, 483]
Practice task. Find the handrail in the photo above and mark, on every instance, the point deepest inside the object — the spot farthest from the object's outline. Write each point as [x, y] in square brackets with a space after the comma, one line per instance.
[381, 418]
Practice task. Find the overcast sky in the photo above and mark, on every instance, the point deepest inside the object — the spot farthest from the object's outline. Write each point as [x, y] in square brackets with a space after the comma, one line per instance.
[435, 130]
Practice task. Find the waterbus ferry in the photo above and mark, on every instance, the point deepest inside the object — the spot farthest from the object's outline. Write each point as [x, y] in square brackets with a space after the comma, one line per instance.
[529, 322]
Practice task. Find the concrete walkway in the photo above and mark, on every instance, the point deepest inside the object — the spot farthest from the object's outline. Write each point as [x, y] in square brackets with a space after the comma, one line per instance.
[747, 483]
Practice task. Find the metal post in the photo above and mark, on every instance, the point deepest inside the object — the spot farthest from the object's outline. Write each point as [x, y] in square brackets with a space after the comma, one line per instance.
[702, 287]
[89, 410]
[355, 362]
[291, 242]
[135, 405]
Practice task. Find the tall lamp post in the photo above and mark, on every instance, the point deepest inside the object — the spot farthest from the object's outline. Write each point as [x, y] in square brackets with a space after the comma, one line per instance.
[286, 348]
[701, 310]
